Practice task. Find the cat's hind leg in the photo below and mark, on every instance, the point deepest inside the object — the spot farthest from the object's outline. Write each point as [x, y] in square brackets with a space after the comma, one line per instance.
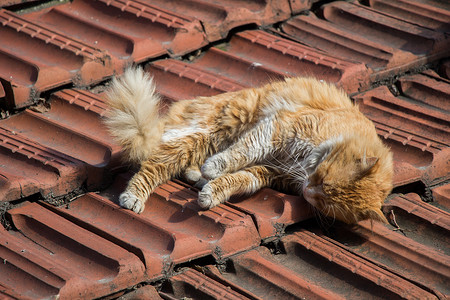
[166, 161]
[243, 182]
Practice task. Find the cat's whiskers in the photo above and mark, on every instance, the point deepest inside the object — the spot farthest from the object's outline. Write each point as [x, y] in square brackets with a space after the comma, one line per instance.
[295, 169]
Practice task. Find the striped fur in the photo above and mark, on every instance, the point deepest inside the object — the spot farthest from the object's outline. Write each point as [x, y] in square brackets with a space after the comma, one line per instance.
[300, 134]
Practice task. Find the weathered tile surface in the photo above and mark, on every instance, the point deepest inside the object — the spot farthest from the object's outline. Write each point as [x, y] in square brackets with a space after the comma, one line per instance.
[391, 56]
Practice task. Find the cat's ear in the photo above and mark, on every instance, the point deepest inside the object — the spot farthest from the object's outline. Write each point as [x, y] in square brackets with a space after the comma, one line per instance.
[365, 165]
[374, 214]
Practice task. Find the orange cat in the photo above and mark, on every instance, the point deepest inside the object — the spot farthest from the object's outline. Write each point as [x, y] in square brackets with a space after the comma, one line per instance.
[300, 134]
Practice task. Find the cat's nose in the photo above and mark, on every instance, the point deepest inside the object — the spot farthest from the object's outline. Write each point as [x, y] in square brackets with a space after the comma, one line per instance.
[309, 194]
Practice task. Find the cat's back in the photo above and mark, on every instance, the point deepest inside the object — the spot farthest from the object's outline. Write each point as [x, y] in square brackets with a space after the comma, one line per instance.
[297, 92]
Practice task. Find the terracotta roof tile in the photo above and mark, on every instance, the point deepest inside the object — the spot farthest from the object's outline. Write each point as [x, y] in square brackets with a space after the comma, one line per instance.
[351, 274]
[420, 264]
[415, 124]
[260, 273]
[441, 195]
[416, 12]
[272, 211]
[28, 168]
[387, 44]
[170, 231]
[47, 59]
[191, 283]
[431, 224]
[385, 29]
[133, 30]
[146, 292]
[78, 149]
[219, 17]
[37, 257]
[391, 56]
[190, 80]
[313, 266]
[255, 57]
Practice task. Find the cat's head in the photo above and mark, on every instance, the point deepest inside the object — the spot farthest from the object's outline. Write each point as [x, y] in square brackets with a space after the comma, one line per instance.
[349, 179]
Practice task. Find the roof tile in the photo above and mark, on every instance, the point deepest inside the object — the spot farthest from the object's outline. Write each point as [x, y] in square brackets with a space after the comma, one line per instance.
[37, 257]
[259, 273]
[79, 149]
[410, 259]
[441, 195]
[425, 223]
[273, 211]
[146, 292]
[47, 59]
[191, 81]
[299, 270]
[191, 283]
[244, 248]
[28, 168]
[415, 124]
[255, 57]
[385, 29]
[219, 17]
[357, 275]
[127, 30]
[358, 33]
[416, 12]
[172, 229]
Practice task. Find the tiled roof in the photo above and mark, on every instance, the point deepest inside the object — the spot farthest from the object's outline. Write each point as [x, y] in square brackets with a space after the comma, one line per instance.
[64, 235]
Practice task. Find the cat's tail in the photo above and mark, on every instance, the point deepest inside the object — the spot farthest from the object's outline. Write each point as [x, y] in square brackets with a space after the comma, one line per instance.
[133, 118]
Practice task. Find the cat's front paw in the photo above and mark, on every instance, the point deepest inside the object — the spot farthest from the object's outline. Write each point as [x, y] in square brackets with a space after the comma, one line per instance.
[130, 201]
[206, 197]
[212, 168]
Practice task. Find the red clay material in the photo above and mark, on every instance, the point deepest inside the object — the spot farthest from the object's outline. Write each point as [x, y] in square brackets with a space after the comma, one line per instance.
[177, 80]
[255, 57]
[2, 92]
[441, 195]
[51, 257]
[273, 211]
[416, 12]
[384, 29]
[298, 6]
[73, 119]
[414, 261]
[218, 17]
[355, 32]
[416, 125]
[347, 274]
[147, 292]
[445, 69]
[193, 284]
[37, 59]
[328, 37]
[13, 2]
[422, 221]
[28, 168]
[171, 230]
[255, 247]
[261, 274]
[128, 30]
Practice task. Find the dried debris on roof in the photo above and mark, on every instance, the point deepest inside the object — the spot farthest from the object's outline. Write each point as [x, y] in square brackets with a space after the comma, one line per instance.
[64, 235]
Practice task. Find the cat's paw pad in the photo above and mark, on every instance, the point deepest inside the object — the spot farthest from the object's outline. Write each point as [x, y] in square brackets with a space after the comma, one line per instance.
[130, 201]
[205, 197]
[212, 168]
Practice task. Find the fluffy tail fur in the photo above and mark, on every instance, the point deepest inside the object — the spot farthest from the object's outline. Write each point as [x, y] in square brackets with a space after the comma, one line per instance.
[133, 118]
